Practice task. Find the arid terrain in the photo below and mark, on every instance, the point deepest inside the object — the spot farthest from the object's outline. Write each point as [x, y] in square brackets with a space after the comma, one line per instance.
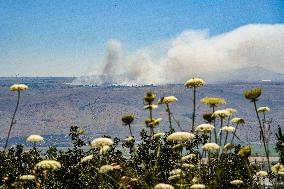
[51, 105]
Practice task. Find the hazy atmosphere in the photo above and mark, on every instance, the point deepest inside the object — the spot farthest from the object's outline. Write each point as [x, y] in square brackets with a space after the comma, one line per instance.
[140, 42]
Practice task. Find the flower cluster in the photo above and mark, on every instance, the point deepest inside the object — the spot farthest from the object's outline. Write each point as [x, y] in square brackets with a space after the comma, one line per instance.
[35, 138]
[48, 164]
[180, 136]
[19, 87]
[194, 82]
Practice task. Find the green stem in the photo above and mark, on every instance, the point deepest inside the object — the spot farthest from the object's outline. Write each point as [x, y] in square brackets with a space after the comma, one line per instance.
[226, 138]
[12, 121]
[214, 124]
[193, 113]
[169, 115]
[262, 135]
[234, 133]
[151, 118]
[220, 141]
[130, 130]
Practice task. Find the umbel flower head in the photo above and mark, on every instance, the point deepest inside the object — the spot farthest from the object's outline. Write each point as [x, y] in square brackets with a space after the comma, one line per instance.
[252, 94]
[18, 87]
[101, 142]
[245, 151]
[210, 146]
[48, 164]
[221, 113]
[180, 136]
[231, 110]
[163, 186]
[197, 186]
[238, 120]
[151, 123]
[194, 83]
[208, 117]
[205, 128]
[263, 109]
[27, 177]
[107, 168]
[127, 119]
[236, 182]
[87, 158]
[149, 97]
[187, 157]
[278, 169]
[261, 174]
[167, 100]
[229, 146]
[159, 135]
[213, 101]
[104, 149]
[35, 138]
[152, 106]
[228, 129]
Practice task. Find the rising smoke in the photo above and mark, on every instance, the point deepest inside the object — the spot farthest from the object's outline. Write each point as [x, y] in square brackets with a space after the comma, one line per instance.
[194, 53]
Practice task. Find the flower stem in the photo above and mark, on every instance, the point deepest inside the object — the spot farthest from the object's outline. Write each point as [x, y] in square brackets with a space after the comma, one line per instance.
[226, 138]
[262, 135]
[12, 121]
[214, 124]
[130, 130]
[234, 133]
[169, 115]
[220, 141]
[193, 113]
[151, 118]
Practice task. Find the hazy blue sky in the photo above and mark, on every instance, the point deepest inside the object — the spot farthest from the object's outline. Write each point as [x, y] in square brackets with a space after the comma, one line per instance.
[66, 37]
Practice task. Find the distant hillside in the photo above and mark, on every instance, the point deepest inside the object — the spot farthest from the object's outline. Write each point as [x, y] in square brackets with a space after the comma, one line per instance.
[50, 107]
[251, 74]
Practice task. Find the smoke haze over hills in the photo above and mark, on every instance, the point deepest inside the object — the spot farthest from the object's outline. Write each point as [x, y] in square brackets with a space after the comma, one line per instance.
[194, 53]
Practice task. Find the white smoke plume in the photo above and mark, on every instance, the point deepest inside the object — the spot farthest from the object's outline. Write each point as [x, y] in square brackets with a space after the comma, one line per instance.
[194, 53]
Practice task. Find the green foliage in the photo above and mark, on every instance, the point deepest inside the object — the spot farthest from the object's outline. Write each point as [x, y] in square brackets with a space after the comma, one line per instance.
[280, 144]
[133, 163]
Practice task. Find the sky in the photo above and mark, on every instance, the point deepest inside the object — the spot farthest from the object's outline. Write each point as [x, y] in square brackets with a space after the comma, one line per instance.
[75, 38]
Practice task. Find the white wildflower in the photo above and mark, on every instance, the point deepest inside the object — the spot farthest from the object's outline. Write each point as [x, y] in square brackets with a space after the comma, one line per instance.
[187, 157]
[210, 146]
[238, 120]
[228, 129]
[163, 186]
[206, 128]
[263, 109]
[180, 136]
[175, 171]
[87, 158]
[106, 168]
[158, 135]
[35, 138]
[48, 164]
[197, 186]
[104, 149]
[151, 106]
[221, 113]
[236, 182]
[27, 177]
[261, 174]
[167, 100]
[101, 142]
